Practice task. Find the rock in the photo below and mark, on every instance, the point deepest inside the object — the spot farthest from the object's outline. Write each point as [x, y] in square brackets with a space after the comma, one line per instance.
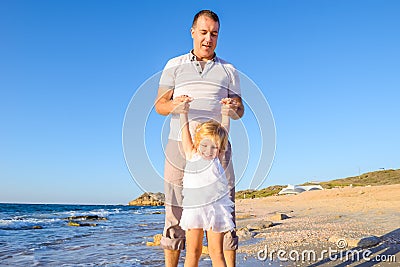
[37, 227]
[149, 199]
[78, 224]
[279, 217]
[157, 212]
[259, 225]
[204, 250]
[261, 235]
[363, 242]
[156, 240]
[244, 234]
[82, 220]
[244, 216]
[70, 223]
[86, 218]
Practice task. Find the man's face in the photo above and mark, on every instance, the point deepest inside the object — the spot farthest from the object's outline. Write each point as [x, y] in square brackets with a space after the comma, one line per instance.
[205, 36]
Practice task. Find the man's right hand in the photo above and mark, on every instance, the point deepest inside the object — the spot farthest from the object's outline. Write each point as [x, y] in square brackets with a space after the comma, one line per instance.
[165, 105]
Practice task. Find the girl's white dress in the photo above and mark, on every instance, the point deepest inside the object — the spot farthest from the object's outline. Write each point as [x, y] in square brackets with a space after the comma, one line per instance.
[206, 202]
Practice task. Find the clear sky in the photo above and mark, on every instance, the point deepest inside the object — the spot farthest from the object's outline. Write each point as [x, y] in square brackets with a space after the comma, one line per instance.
[330, 71]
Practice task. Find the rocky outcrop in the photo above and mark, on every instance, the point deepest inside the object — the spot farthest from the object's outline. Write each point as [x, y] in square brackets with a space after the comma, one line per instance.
[79, 224]
[245, 234]
[259, 225]
[253, 229]
[82, 220]
[279, 217]
[149, 199]
[86, 218]
[361, 242]
[156, 240]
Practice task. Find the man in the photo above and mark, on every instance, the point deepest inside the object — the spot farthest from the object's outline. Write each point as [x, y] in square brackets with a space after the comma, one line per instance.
[202, 76]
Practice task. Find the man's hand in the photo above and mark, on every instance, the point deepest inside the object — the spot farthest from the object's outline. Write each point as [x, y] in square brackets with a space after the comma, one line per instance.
[230, 108]
[180, 104]
[165, 105]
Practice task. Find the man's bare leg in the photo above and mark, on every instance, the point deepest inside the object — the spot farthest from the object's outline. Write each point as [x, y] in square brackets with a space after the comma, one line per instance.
[230, 258]
[171, 257]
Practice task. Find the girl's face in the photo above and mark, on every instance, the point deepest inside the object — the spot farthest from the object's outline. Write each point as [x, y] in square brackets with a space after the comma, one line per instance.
[208, 149]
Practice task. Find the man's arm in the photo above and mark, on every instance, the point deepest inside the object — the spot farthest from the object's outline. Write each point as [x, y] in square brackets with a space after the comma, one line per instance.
[234, 109]
[239, 107]
[165, 105]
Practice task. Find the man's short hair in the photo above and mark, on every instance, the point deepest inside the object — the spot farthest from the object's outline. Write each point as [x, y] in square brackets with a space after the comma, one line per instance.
[207, 13]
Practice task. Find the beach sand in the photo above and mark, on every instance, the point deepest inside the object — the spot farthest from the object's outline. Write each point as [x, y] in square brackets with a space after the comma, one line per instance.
[323, 221]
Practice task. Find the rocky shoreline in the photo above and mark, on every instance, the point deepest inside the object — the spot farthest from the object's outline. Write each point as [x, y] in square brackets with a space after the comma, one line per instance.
[149, 199]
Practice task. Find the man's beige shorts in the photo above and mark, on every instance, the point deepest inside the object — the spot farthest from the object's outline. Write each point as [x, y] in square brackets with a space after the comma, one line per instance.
[173, 236]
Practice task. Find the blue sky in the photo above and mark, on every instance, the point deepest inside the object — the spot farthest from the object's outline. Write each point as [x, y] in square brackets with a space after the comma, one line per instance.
[68, 70]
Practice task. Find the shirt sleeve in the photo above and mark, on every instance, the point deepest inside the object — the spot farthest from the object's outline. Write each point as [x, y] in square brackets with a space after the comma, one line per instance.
[234, 85]
[167, 79]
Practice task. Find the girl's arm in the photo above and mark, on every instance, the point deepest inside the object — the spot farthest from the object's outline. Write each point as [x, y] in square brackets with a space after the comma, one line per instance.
[225, 122]
[187, 141]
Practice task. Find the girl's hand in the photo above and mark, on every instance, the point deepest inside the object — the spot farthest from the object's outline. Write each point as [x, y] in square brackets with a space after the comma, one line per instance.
[229, 107]
[181, 104]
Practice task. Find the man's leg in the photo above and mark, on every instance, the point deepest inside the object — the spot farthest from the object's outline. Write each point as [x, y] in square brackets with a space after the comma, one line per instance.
[230, 258]
[230, 246]
[230, 239]
[171, 257]
[173, 239]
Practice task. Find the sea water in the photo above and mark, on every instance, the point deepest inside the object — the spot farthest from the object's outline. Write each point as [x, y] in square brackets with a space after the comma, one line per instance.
[118, 241]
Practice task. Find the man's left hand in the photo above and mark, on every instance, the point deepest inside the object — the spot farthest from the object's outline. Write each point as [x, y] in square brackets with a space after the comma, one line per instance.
[229, 108]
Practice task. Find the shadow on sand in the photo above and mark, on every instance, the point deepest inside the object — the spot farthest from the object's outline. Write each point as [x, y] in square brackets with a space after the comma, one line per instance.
[378, 255]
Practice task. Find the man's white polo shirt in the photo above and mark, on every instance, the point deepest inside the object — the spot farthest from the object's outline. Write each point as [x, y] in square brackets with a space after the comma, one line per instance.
[184, 75]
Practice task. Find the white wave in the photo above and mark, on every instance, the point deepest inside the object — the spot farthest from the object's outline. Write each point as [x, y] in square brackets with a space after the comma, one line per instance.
[20, 223]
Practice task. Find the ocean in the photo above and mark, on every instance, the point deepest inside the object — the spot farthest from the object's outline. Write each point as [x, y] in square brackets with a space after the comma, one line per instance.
[40, 235]
[118, 241]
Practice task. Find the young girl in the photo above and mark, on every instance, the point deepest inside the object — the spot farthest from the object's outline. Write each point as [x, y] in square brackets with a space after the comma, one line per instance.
[206, 203]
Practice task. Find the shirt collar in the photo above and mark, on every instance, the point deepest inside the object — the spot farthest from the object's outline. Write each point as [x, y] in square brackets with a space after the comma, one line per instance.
[192, 56]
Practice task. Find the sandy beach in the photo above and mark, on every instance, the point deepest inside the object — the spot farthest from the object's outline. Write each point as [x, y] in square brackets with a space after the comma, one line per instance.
[342, 226]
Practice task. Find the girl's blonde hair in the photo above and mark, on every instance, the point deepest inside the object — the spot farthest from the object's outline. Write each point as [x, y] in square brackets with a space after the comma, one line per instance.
[212, 130]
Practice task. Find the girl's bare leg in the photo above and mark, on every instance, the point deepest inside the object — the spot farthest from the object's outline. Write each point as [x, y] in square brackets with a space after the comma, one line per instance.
[194, 246]
[215, 241]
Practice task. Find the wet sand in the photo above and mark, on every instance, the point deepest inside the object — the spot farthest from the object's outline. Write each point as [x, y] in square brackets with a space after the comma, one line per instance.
[327, 223]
